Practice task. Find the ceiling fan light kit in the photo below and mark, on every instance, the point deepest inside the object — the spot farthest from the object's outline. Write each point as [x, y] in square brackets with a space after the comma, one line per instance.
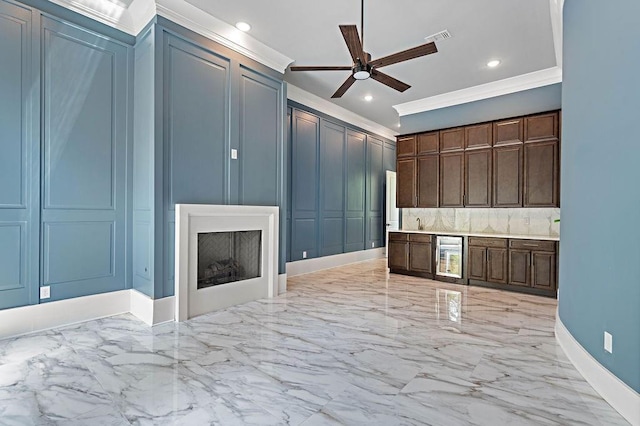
[363, 67]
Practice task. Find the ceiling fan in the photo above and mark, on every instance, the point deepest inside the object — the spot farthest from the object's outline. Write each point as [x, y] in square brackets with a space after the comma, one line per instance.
[363, 67]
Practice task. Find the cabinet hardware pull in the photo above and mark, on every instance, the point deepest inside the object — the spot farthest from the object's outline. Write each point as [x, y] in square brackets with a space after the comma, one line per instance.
[510, 122]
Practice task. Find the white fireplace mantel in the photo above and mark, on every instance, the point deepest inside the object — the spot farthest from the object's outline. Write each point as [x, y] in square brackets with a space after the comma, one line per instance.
[192, 219]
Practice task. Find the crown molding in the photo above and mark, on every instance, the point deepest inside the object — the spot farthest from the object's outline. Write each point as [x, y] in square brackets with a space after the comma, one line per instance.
[556, 8]
[519, 83]
[301, 96]
[133, 19]
[197, 20]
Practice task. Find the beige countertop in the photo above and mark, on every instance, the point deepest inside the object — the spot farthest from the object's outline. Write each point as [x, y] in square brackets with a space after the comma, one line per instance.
[481, 234]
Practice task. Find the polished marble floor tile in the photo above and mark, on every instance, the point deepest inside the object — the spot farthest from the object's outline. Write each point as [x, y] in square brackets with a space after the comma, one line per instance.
[352, 345]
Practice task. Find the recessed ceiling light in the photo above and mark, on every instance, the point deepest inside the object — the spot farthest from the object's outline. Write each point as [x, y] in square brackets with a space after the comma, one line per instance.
[493, 64]
[368, 98]
[243, 26]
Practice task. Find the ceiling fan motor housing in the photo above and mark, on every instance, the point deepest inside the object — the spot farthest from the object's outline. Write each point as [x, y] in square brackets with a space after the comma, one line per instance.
[361, 71]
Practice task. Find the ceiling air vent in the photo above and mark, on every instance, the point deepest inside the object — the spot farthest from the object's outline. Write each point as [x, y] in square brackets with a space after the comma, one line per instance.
[442, 35]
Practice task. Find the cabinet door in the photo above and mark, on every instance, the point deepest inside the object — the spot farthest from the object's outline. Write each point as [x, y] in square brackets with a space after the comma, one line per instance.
[541, 127]
[406, 146]
[398, 255]
[406, 182]
[541, 172]
[477, 263]
[452, 139]
[508, 132]
[479, 136]
[19, 160]
[428, 143]
[507, 176]
[452, 180]
[543, 270]
[478, 178]
[520, 267]
[428, 181]
[421, 257]
[497, 265]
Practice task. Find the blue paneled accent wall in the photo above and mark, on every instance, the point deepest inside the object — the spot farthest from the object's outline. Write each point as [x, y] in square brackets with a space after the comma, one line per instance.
[19, 159]
[337, 185]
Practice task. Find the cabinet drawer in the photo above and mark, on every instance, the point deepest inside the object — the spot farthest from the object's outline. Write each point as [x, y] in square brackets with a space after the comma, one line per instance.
[533, 245]
[488, 242]
[398, 236]
[420, 238]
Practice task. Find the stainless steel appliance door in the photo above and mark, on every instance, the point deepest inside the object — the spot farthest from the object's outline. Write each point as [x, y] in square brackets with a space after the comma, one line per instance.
[449, 256]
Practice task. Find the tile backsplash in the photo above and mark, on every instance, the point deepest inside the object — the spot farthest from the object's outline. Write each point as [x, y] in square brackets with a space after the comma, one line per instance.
[538, 222]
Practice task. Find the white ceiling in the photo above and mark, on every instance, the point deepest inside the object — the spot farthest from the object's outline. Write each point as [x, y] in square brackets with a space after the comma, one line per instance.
[518, 32]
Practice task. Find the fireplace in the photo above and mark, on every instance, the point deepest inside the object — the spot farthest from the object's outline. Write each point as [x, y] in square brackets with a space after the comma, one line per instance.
[225, 255]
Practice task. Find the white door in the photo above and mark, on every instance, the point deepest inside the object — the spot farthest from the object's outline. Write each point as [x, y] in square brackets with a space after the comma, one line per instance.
[392, 212]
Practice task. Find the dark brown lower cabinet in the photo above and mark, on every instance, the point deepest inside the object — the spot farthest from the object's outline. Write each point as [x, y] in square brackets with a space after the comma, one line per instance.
[488, 260]
[532, 263]
[412, 253]
[520, 267]
[398, 255]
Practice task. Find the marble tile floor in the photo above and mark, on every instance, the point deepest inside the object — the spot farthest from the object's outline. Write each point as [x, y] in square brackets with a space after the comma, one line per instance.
[352, 345]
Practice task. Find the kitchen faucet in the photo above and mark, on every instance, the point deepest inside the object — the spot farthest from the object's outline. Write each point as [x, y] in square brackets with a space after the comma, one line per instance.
[420, 225]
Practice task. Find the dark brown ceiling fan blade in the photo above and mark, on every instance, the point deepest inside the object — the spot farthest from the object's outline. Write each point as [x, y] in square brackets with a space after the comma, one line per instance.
[345, 86]
[389, 81]
[351, 37]
[320, 68]
[405, 55]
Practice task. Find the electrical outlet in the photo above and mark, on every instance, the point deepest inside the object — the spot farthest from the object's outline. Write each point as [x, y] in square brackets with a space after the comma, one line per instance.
[304, 254]
[234, 154]
[373, 245]
[45, 292]
[608, 342]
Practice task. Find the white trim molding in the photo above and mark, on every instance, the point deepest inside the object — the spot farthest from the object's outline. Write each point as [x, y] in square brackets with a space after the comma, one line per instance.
[494, 89]
[303, 97]
[45, 316]
[199, 21]
[308, 266]
[618, 394]
[556, 7]
[282, 283]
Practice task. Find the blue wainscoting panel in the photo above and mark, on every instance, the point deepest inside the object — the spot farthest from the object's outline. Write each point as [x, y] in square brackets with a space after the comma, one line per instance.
[12, 256]
[84, 78]
[289, 124]
[304, 185]
[260, 146]
[332, 170]
[375, 188]
[355, 191]
[196, 123]
[143, 164]
[76, 251]
[19, 159]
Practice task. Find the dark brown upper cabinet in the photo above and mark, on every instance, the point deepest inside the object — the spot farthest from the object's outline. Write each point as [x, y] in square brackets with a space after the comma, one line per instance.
[478, 178]
[452, 139]
[406, 182]
[507, 176]
[508, 132]
[541, 174]
[428, 180]
[478, 136]
[541, 127]
[428, 143]
[452, 179]
[406, 146]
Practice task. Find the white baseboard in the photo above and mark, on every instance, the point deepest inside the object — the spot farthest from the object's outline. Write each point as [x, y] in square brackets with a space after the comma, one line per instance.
[618, 394]
[307, 266]
[282, 283]
[152, 311]
[29, 319]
